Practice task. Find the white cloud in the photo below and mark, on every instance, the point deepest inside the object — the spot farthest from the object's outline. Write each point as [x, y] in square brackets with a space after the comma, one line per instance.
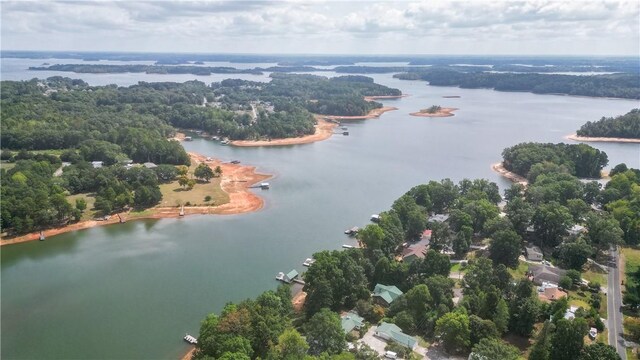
[540, 26]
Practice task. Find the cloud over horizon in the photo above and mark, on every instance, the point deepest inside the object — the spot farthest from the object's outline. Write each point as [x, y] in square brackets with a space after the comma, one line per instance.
[541, 27]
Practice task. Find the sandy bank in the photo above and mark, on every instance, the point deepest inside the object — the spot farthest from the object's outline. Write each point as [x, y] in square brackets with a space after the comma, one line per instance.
[189, 354]
[382, 97]
[443, 112]
[324, 130]
[236, 181]
[499, 168]
[375, 113]
[179, 136]
[575, 137]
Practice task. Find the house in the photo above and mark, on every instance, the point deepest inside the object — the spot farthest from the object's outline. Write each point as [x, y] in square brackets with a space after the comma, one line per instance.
[570, 314]
[414, 252]
[551, 294]
[426, 235]
[351, 321]
[576, 230]
[545, 273]
[533, 253]
[150, 165]
[438, 217]
[392, 332]
[384, 295]
[97, 164]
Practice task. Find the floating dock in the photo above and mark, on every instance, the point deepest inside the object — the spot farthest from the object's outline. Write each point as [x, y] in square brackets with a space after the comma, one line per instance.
[353, 231]
[190, 339]
[308, 262]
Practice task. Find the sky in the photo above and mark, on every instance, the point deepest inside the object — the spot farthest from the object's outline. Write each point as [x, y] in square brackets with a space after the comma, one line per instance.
[527, 27]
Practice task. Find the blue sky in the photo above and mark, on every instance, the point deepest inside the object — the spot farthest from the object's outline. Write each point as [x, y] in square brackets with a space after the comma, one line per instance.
[531, 27]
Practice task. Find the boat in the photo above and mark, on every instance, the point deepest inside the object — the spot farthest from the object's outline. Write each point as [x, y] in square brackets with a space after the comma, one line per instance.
[345, 133]
[280, 276]
[354, 230]
[308, 262]
[190, 339]
[182, 210]
[235, 161]
[41, 235]
[344, 128]
[375, 217]
[264, 185]
[188, 138]
[225, 142]
[348, 246]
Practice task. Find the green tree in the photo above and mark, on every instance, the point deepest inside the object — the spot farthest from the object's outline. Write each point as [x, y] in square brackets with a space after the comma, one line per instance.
[453, 329]
[291, 346]
[81, 204]
[505, 248]
[203, 171]
[542, 347]
[481, 329]
[324, 333]
[520, 214]
[372, 236]
[599, 351]
[550, 222]
[501, 316]
[491, 348]
[574, 254]
[435, 263]
[568, 339]
[603, 231]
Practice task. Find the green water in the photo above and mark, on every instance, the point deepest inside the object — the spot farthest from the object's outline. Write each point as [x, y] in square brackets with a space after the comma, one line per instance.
[132, 291]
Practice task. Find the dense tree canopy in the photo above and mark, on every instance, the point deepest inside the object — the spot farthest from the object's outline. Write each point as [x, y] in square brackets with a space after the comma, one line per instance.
[623, 126]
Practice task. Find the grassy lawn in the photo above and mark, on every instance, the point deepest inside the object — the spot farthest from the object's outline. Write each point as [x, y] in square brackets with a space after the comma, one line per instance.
[630, 354]
[593, 274]
[519, 272]
[7, 165]
[578, 300]
[603, 336]
[89, 213]
[175, 195]
[631, 261]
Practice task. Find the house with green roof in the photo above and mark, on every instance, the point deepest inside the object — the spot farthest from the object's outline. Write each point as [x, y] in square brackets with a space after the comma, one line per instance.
[351, 321]
[384, 295]
[392, 332]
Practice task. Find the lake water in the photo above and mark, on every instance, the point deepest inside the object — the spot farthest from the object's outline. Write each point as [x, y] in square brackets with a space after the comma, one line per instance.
[133, 290]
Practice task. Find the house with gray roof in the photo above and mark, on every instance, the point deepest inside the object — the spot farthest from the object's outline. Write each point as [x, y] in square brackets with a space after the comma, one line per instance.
[392, 332]
[533, 253]
[544, 273]
[384, 295]
[351, 321]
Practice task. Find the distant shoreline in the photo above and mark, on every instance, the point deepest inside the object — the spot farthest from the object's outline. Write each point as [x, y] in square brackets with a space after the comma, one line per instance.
[443, 112]
[323, 131]
[575, 137]
[375, 113]
[382, 97]
[236, 181]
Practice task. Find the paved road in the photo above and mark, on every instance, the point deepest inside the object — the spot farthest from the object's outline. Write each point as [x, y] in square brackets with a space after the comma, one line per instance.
[614, 304]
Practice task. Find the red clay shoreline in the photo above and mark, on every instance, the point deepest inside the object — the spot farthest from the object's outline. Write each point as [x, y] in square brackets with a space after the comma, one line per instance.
[500, 169]
[236, 181]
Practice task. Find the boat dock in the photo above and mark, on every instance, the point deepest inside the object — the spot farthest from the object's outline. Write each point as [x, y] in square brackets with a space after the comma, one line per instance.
[353, 231]
[190, 339]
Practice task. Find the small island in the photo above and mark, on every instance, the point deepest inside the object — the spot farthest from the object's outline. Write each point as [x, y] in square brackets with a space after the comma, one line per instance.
[435, 111]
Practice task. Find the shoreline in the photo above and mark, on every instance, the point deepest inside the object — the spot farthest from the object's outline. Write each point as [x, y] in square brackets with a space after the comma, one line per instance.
[575, 137]
[382, 97]
[373, 114]
[513, 177]
[236, 181]
[324, 130]
[443, 112]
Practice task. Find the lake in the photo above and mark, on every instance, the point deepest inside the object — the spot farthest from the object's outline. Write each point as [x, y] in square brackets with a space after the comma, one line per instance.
[134, 290]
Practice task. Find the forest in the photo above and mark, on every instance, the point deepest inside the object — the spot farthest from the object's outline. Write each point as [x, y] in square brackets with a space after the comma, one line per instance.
[498, 303]
[149, 69]
[625, 126]
[530, 159]
[623, 85]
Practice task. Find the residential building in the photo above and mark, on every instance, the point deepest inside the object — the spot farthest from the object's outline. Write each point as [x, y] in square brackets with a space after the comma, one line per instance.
[384, 295]
[392, 332]
[351, 321]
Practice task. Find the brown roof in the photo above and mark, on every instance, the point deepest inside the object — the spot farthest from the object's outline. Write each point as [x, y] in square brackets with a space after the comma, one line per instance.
[551, 294]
